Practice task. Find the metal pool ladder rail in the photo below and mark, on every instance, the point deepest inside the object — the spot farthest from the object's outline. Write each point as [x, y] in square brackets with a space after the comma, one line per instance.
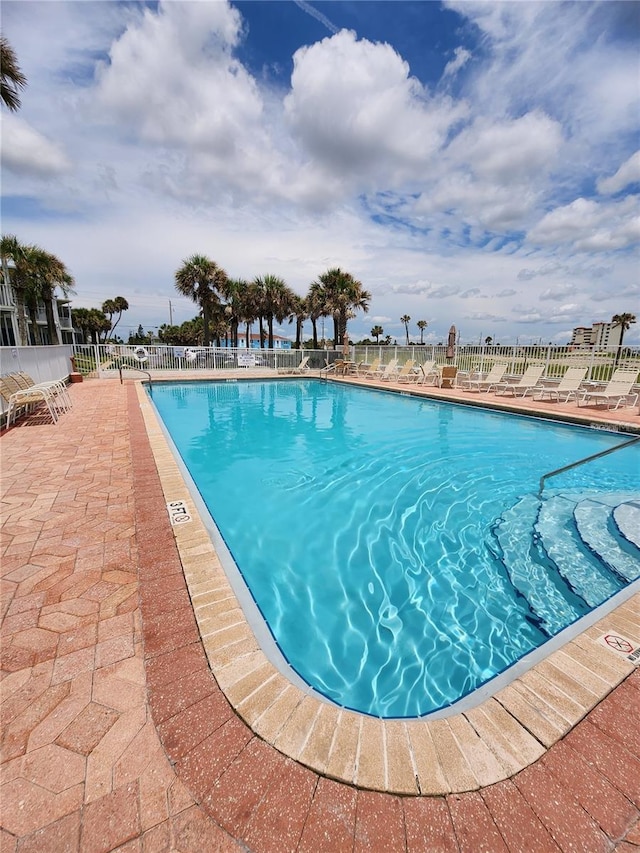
[130, 367]
[582, 462]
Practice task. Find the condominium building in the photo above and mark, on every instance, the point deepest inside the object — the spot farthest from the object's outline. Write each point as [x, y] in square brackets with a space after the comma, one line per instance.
[9, 331]
[605, 335]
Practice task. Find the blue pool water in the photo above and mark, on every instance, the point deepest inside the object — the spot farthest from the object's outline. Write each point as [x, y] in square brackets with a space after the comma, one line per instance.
[375, 531]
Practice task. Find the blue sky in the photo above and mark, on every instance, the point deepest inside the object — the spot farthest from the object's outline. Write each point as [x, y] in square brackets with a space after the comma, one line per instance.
[472, 163]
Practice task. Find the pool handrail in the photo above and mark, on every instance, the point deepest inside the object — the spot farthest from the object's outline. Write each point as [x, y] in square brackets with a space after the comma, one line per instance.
[582, 462]
[131, 367]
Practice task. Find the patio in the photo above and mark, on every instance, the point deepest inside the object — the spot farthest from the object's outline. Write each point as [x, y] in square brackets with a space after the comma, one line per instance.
[116, 735]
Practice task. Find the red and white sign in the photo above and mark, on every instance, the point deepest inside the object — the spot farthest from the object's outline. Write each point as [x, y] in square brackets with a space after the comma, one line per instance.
[621, 646]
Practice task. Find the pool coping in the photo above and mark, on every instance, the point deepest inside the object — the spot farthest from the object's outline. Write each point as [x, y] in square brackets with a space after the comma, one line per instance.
[466, 751]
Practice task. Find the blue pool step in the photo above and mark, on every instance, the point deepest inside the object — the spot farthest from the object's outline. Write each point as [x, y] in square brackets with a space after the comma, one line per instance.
[549, 596]
[568, 553]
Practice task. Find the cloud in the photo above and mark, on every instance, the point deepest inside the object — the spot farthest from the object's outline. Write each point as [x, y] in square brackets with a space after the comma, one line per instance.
[357, 112]
[27, 152]
[590, 226]
[558, 292]
[461, 57]
[628, 173]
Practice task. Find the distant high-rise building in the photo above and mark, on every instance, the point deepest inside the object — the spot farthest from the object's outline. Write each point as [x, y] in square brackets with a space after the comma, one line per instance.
[598, 335]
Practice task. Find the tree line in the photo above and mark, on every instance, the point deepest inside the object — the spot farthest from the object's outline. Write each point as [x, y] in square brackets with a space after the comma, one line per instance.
[228, 305]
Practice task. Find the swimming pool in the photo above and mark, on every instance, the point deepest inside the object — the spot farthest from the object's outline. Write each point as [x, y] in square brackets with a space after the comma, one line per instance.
[383, 537]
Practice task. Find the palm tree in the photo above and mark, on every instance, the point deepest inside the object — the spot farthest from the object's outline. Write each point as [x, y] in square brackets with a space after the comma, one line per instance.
[120, 304]
[34, 278]
[11, 77]
[12, 250]
[202, 280]
[300, 313]
[276, 302]
[47, 273]
[376, 332]
[340, 294]
[315, 307]
[625, 321]
[405, 320]
[422, 325]
[488, 340]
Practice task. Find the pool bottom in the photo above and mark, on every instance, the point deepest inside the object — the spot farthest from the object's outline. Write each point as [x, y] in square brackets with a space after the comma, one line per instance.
[430, 756]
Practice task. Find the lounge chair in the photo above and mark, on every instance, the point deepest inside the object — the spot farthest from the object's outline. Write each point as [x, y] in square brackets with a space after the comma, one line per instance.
[369, 369]
[493, 377]
[569, 386]
[618, 388]
[400, 374]
[428, 373]
[303, 367]
[528, 382]
[388, 370]
[25, 399]
[56, 386]
[447, 377]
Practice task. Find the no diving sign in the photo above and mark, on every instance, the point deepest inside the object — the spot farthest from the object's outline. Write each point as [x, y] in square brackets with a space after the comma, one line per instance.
[622, 646]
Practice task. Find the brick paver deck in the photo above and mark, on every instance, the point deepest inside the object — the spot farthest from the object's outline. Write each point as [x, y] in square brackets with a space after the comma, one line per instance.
[116, 735]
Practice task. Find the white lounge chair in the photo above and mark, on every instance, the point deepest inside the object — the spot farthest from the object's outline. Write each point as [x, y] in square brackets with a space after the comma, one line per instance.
[369, 369]
[388, 370]
[400, 373]
[619, 388]
[493, 377]
[569, 386]
[428, 373]
[528, 382]
[25, 399]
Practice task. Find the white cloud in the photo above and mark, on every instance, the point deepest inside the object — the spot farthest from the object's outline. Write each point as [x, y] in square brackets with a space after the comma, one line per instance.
[27, 152]
[628, 173]
[357, 112]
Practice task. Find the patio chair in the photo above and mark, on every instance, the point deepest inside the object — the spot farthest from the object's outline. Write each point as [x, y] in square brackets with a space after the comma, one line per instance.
[57, 387]
[569, 386]
[428, 373]
[493, 377]
[25, 399]
[369, 369]
[619, 388]
[399, 374]
[527, 384]
[303, 367]
[389, 370]
[448, 376]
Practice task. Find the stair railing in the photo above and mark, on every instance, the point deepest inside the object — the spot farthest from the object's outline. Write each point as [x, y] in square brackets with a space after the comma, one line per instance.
[549, 474]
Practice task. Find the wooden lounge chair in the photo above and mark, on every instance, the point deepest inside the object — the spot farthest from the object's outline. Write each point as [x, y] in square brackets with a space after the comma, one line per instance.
[448, 376]
[569, 386]
[527, 384]
[619, 388]
[493, 377]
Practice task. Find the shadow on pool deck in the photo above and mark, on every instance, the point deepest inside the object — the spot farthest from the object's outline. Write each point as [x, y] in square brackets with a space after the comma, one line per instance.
[115, 734]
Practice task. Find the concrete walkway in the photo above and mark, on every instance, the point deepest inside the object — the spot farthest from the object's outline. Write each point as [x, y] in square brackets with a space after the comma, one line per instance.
[115, 735]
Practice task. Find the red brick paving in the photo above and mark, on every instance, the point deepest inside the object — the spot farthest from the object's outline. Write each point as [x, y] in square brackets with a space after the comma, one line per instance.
[116, 736]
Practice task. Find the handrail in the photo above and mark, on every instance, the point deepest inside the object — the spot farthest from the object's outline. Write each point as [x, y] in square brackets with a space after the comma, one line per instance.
[131, 367]
[582, 462]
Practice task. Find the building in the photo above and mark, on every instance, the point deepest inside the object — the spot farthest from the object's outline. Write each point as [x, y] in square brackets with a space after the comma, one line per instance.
[603, 335]
[254, 341]
[9, 332]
